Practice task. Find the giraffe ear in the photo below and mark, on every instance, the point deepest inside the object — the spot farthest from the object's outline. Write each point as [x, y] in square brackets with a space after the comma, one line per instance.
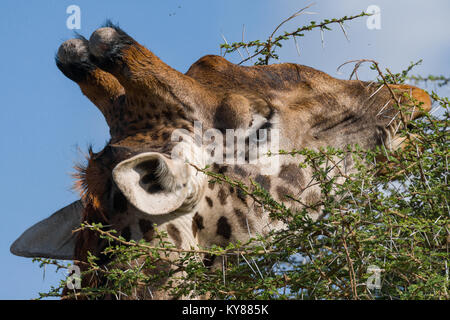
[52, 237]
[153, 183]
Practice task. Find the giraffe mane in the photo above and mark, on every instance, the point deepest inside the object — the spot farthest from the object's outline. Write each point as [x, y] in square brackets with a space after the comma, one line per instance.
[88, 180]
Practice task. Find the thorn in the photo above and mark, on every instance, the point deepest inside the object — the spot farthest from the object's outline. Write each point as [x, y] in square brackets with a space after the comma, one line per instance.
[343, 30]
[224, 39]
[383, 108]
[246, 48]
[321, 36]
[248, 264]
[393, 118]
[296, 45]
[376, 91]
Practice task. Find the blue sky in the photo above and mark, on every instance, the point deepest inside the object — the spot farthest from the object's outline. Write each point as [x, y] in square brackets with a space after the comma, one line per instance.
[45, 120]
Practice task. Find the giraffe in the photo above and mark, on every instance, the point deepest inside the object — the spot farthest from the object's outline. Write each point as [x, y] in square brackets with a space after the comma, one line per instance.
[135, 183]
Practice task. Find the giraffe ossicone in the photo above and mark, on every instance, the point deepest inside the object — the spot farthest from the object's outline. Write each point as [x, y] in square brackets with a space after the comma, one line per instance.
[136, 182]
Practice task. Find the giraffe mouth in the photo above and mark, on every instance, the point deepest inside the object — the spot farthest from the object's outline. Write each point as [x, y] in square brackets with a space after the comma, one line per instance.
[417, 106]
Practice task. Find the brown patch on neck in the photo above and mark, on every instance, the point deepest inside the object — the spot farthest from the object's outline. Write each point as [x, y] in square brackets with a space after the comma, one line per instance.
[243, 220]
[240, 171]
[263, 181]
[222, 194]
[241, 195]
[312, 200]
[292, 174]
[147, 229]
[209, 201]
[174, 233]
[197, 224]
[199, 221]
[282, 192]
[224, 228]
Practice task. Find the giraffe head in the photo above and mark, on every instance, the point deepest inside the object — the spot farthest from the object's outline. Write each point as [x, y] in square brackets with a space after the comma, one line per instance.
[139, 180]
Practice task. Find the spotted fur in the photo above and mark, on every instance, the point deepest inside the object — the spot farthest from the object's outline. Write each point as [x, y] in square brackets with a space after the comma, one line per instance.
[144, 100]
